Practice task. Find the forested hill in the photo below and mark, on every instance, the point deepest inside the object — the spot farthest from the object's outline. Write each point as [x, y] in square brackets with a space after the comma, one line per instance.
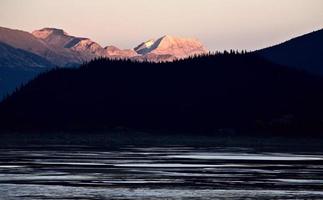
[304, 52]
[235, 92]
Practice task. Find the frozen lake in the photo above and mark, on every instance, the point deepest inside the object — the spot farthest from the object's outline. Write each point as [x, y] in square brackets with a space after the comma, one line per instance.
[83, 172]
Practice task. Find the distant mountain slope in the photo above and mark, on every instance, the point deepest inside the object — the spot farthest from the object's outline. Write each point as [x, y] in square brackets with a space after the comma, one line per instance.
[23, 40]
[17, 67]
[13, 57]
[28, 42]
[58, 38]
[206, 94]
[304, 52]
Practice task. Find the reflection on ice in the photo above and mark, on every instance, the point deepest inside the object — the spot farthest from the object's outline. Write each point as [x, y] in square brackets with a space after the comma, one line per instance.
[300, 181]
[175, 165]
[72, 163]
[237, 156]
[171, 173]
[35, 177]
[10, 166]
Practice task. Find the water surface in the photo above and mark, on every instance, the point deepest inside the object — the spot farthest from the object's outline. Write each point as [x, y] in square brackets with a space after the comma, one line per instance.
[159, 172]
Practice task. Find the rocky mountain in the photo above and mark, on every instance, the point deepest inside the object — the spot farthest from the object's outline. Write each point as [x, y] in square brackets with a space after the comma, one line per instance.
[304, 53]
[54, 37]
[172, 46]
[28, 42]
[24, 40]
[58, 38]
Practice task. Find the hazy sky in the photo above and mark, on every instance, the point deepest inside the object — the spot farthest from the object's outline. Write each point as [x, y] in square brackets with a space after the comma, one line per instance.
[219, 24]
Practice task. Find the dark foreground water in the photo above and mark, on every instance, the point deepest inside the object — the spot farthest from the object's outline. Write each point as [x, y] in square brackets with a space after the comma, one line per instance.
[85, 172]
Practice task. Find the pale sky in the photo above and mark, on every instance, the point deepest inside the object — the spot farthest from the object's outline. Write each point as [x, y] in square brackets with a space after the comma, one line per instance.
[219, 24]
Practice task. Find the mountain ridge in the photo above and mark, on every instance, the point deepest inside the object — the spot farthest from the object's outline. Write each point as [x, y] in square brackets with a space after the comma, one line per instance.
[63, 49]
[28, 42]
[304, 52]
[159, 49]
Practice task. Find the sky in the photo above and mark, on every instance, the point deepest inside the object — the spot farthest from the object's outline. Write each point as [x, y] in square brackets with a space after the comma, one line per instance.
[219, 24]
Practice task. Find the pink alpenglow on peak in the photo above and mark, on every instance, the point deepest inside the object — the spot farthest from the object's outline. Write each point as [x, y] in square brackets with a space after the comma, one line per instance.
[59, 38]
[87, 45]
[46, 32]
[170, 45]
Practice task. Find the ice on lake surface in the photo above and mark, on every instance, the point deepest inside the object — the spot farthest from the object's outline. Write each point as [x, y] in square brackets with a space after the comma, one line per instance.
[164, 172]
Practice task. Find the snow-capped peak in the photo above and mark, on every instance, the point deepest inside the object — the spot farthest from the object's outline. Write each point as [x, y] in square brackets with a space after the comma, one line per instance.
[170, 45]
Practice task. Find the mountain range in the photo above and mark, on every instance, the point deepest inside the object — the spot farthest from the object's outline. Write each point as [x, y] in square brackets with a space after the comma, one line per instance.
[48, 47]
[24, 55]
[276, 89]
[63, 49]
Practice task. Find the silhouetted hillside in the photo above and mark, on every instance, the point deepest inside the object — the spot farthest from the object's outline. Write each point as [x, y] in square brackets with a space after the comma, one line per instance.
[13, 78]
[230, 92]
[17, 67]
[304, 52]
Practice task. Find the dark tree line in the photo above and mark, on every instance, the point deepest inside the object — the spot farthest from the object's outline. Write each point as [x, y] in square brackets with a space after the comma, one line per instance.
[238, 92]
